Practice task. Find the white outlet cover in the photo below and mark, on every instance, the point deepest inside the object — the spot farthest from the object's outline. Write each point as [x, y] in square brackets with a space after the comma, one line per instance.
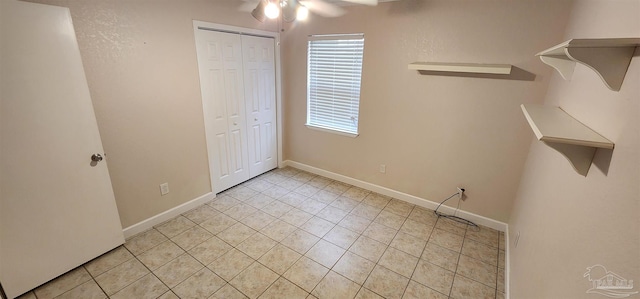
[164, 188]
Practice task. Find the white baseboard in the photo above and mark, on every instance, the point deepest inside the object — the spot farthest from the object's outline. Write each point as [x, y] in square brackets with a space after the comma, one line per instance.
[481, 220]
[166, 215]
[507, 265]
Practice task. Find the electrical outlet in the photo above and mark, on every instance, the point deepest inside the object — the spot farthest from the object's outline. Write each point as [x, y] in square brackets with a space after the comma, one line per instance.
[516, 239]
[164, 188]
[383, 168]
[460, 192]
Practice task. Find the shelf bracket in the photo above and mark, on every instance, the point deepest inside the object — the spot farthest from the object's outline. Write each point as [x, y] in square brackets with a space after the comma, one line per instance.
[562, 64]
[609, 58]
[610, 64]
[579, 157]
[563, 133]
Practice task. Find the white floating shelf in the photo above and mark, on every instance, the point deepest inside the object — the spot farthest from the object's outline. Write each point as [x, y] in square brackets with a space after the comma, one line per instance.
[554, 125]
[565, 134]
[608, 57]
[479, 68]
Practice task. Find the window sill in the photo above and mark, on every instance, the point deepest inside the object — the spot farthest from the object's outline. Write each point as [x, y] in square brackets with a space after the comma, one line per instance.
[352, 135]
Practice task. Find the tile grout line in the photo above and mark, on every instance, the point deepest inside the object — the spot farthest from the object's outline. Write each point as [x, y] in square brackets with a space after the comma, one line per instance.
[294, 181]
[421, 253]
[455, 273]
[185, 252]
[351, 245]
[376, 263]
[150, 272]
[94, 278]
[232, 247]
[472, 279]
[343, 254]
[303, 255]
[321, 238]
[278, 243]
[414, 268]
[387, 246]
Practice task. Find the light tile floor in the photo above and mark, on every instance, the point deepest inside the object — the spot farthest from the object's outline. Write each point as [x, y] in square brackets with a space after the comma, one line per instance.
[292, 234]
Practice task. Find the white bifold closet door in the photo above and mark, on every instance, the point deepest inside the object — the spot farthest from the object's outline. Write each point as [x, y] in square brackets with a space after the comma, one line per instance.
[237, 80]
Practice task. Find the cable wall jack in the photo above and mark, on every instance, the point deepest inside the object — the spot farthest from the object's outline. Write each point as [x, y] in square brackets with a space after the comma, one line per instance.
[460, 193]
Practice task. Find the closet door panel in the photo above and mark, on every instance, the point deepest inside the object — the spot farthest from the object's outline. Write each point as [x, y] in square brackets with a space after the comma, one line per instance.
[223, 152]
[270, 139]
[219, 119]
[259, 69]
[221, 78]
[253, 109]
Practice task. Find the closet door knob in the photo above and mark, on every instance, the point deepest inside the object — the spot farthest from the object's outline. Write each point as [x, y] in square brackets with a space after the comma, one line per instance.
[255, 119]
[235, 123]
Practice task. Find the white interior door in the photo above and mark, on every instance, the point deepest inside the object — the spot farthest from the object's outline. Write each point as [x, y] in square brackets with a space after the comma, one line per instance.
[57, 209]
[260, 98]
[221, 82]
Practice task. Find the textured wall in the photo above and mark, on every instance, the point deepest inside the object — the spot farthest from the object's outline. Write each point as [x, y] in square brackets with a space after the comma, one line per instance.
[568, 222]
[433, 132]
[140, 62]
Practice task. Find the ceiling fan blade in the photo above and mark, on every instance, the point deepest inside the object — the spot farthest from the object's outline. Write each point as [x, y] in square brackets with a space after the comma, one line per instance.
[365, 2]
[323, 8]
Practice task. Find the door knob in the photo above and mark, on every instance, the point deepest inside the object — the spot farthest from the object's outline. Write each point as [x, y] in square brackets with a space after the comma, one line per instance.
[96, 157]
[235, 123]
[255, 119]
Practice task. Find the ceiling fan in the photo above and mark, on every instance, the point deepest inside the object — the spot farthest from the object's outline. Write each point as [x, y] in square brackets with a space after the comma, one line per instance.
[292, 10]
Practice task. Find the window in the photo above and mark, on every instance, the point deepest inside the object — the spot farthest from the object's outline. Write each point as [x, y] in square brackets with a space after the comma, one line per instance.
[334, 68]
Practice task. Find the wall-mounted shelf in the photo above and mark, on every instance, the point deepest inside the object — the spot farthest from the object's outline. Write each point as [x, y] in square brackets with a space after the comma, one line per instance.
[565, 134]
[478, 68]
[552, 124]
[609, 58]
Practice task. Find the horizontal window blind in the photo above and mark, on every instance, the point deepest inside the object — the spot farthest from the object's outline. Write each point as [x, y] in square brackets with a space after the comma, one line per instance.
[333, 81]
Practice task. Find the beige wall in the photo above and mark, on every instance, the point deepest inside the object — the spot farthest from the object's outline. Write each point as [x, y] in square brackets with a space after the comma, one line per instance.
[568, 222]
[140, 61]
[433, 132]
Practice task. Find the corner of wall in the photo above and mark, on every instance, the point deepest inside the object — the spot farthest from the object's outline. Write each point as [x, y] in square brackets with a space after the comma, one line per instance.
[568, 222]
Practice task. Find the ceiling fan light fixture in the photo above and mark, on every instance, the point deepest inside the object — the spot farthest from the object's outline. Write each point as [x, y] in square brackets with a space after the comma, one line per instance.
[271, 10]
[289, 8]
[258, 12]
[302, 13]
